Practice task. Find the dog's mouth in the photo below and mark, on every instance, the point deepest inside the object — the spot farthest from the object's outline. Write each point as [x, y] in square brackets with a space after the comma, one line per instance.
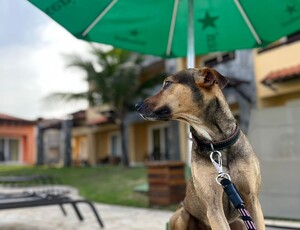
[146, 111]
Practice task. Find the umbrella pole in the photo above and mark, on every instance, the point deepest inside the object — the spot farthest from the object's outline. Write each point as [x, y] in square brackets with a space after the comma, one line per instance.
[191, 36]
[190, 62]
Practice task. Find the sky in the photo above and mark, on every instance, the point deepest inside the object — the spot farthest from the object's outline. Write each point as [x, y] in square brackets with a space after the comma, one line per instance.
[32, 64]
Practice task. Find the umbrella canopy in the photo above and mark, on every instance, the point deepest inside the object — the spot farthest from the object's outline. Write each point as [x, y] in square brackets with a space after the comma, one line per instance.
[160, 27]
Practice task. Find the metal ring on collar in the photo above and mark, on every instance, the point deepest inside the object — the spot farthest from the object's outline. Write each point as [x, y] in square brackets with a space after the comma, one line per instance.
[222, 176]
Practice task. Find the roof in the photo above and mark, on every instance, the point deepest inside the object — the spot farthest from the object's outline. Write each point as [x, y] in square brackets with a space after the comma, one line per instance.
[282, 75]
[7, 119]
[98, 121]
[50, 123]
[81, 114]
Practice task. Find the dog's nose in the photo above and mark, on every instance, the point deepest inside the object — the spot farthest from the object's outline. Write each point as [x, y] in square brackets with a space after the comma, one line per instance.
[138, 105]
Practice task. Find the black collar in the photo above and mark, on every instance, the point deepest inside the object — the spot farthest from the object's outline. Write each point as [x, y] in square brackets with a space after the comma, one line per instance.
[217, 145]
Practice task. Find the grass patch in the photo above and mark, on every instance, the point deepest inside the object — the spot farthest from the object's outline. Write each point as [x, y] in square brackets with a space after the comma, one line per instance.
[106, 184]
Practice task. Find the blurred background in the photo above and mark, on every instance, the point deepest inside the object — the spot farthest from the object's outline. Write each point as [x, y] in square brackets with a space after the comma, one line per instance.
[67, 104]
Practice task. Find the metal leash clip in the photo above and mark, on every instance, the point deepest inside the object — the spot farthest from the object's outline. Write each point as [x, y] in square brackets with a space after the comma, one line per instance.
[217, 162]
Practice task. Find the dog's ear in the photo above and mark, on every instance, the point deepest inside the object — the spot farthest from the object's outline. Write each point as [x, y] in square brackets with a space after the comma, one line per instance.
[207, 77]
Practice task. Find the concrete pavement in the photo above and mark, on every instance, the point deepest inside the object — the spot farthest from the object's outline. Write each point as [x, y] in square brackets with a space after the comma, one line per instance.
[50, 217]
[114, 217]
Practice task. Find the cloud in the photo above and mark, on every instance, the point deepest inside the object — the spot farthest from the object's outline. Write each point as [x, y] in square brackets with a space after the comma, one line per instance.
[31, 71]
[18, 82]
[50, 65]
[32, 64]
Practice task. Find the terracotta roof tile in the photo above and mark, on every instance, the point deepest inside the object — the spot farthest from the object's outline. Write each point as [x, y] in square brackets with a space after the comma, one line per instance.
[98, 121]
[7, 118]
[282, 74]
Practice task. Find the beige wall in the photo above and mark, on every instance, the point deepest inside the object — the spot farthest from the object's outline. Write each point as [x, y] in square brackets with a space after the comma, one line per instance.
[102, 135]
[276, 59]
[80, 148]
[102, 145]
[77, 142]
[94, 112]
[139, 150]
[96, 142]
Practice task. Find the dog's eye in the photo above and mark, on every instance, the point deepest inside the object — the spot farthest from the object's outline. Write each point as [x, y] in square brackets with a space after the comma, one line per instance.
[167, 84]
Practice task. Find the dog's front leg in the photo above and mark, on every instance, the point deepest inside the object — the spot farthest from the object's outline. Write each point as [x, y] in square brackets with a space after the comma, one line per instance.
[253, 206]
[251, 194]
[217, 219]
[181, 220]
[212, 195]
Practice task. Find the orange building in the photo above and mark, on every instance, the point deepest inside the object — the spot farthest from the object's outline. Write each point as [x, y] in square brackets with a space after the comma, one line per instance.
[17, 140]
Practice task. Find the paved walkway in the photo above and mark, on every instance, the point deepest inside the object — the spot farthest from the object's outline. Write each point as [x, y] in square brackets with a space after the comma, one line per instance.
[114, 217]
[50, 217]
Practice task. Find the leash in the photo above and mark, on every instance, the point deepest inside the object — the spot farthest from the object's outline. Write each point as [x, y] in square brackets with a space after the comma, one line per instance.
[225, 181]
[223, 178]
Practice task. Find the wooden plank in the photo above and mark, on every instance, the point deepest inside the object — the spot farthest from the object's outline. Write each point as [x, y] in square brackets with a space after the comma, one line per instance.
[166, 182]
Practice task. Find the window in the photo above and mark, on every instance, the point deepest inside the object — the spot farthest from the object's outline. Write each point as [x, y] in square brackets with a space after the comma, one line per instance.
[158, 146]
[53, 153]
[2, 158]
[10, 150]
[115, 144]
[219, 58]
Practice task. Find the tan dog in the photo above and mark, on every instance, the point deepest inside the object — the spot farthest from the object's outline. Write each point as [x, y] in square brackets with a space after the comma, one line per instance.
[195, 96]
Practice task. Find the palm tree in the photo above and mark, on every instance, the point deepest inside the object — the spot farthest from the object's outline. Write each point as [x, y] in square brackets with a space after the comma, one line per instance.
[117, 84]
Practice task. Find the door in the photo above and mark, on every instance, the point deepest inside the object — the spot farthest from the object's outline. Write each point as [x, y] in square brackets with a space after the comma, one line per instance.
[10, 150]
[159, 149]
[115, 144]
[13, 150]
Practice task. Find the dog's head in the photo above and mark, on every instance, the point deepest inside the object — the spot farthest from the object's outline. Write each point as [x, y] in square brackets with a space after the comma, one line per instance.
[184, 95]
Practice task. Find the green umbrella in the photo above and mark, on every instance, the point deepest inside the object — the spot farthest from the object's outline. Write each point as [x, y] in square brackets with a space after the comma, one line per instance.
[176, 28]
[163, 27]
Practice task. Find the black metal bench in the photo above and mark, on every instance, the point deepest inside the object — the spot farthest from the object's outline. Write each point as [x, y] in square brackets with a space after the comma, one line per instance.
[42, 197]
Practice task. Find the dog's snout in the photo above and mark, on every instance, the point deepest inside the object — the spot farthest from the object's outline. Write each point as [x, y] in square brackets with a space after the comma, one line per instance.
[138, 105]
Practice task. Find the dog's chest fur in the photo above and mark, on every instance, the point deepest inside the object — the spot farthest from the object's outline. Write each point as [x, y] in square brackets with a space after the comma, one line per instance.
[235, 161]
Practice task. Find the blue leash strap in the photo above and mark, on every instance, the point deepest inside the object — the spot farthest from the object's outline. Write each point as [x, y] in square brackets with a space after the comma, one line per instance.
[238, 202]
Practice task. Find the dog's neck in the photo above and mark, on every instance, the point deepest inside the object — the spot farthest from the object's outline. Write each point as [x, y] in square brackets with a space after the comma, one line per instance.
[216, 124]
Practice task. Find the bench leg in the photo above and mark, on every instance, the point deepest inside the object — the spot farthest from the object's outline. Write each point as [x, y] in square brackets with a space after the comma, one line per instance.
[63, 209]
[93, 209]
[74, 204]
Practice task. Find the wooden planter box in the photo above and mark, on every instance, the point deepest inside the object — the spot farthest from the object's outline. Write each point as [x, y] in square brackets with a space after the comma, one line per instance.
[166, 182]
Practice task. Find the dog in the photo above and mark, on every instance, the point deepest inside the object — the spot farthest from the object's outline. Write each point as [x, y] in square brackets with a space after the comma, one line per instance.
[195, 97]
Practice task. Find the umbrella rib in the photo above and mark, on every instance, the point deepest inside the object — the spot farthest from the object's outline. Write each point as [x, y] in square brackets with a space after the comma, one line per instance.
[249, 24]
[172, 27]
[100, 16]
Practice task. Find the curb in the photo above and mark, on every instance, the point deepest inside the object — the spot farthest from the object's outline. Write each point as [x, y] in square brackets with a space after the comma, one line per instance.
[283, 224]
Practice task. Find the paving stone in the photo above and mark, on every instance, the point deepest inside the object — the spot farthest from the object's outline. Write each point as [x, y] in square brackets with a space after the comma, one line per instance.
[114, 217]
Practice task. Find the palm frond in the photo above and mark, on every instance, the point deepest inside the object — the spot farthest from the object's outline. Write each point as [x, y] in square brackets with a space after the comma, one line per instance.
[68, 97]
[85, 65]
[116, 82]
